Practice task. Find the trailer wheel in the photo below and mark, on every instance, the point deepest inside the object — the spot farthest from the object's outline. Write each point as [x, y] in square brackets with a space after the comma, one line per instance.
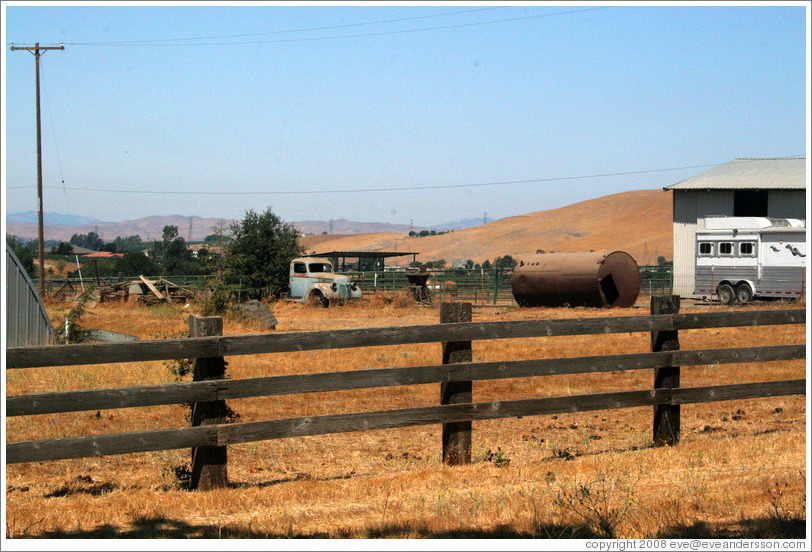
[725, 294]
[744, 293]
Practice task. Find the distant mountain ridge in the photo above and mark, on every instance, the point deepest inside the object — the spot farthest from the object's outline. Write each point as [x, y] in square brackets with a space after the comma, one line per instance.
[62, 227]
[344, 226]
[51, 218]
[462, 224]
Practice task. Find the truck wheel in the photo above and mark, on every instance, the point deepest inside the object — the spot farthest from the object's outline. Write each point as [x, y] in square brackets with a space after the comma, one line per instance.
[320, 298]
[744, 293]
[725, 294]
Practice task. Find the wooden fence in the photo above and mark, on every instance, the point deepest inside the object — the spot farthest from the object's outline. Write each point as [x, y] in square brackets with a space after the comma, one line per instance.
[209, 436]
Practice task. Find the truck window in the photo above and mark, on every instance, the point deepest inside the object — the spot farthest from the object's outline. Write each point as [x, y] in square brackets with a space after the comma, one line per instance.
[705, 248]
[299, 268]
[320, 267]
[726, 248]
[747, 248]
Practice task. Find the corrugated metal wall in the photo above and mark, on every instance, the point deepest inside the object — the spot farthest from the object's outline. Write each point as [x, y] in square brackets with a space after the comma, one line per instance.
[692, 205]
[689, 207]
[787, 204]
[27, 322]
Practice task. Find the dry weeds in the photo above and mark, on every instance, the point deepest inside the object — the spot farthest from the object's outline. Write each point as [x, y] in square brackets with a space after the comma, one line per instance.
[740, 469]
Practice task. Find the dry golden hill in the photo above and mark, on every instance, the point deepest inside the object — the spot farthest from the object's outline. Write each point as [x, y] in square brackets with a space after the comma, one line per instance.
[638, 222]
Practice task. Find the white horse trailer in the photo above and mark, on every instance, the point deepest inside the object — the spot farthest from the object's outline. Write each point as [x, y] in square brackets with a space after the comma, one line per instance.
[739, 258]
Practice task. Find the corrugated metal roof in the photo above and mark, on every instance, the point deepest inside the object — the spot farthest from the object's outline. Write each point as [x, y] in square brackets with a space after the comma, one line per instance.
[787, 173]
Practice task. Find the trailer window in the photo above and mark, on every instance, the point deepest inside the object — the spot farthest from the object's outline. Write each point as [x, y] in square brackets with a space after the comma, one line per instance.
[747, 249]
[705, 248]
[726, 248]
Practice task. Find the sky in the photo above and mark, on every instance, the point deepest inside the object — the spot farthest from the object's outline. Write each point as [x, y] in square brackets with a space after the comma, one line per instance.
[409, 113]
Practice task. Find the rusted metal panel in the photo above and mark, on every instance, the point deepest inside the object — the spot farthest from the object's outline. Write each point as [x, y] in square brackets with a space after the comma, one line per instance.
[27, 322]
[603, 279]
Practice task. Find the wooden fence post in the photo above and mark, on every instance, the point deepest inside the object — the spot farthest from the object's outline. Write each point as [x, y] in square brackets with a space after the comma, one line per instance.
[209, 463]
[666, 416]
[456, 435]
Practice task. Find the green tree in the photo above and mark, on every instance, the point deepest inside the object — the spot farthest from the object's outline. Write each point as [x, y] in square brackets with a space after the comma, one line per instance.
[506, 262]
[130, 243]
[172, 255]
[62, 249]
[90, 240]
[25, 252]
[260, 253]
[136, 264]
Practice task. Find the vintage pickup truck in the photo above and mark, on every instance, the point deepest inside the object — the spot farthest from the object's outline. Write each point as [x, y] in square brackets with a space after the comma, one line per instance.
[312, 278]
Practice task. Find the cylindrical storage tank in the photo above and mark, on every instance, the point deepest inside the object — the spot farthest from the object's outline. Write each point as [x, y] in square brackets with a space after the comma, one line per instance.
[576, 280]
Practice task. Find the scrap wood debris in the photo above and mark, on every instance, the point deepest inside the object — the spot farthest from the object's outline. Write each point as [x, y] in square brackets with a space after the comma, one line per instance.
[149, 292]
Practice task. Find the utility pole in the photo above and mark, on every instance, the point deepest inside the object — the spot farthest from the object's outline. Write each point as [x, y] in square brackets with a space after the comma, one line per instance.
[38, 50]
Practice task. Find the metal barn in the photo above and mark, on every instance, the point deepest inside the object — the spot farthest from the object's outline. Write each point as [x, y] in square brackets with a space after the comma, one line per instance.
[774, 188]
[27, 322]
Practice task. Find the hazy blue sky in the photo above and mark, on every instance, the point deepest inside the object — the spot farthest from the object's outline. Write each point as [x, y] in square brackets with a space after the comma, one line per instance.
[336, 111]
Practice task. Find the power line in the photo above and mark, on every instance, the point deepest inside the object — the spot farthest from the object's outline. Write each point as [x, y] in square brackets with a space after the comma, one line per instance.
[174, 42]
[53, 132]
[305, 30]
[393, 189]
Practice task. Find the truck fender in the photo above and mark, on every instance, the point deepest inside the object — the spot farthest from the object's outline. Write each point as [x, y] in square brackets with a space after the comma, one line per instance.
[323, 288]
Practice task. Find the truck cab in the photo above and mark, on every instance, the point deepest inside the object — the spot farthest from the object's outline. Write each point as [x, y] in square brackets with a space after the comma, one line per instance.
[313, 279]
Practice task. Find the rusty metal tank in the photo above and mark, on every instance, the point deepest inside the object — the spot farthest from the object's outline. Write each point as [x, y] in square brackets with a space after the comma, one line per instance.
[605, 279]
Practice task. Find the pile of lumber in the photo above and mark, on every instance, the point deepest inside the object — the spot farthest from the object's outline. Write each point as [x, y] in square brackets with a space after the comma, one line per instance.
[163, 291]
[113, 292]
[145, 291]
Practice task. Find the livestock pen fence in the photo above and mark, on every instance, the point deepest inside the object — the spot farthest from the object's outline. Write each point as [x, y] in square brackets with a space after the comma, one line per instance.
[209, 436]
[479, 286]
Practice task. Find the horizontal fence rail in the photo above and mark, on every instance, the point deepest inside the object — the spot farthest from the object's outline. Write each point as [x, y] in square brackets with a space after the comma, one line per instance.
[225, 389]
[202, 347]
[232, 434]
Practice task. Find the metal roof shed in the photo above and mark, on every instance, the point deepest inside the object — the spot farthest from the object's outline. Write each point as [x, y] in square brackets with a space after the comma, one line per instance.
[377, 257]
[745, 187]
[750, 174]
[27, 321]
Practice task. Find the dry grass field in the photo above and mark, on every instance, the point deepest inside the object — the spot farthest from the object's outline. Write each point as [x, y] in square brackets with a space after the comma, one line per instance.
[739, 471]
